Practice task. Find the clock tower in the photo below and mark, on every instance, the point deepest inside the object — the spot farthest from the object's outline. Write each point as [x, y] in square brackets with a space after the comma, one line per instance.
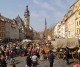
[26, 18]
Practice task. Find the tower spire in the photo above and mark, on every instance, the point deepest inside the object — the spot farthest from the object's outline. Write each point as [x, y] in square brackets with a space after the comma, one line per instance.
[27, 8]
[45, 24]
[45, 31]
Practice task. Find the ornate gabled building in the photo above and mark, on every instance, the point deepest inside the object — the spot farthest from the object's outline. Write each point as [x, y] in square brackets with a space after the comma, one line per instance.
[21, 27]
[28, 28]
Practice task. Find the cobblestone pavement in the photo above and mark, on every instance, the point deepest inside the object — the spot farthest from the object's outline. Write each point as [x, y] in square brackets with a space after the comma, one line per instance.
[20, 62]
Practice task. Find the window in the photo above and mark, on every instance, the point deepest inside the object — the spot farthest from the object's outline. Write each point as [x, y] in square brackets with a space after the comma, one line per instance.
[79, 13]
[2, 28]
[2, 35]
[77, 31]
[1, 23]
[77, 23]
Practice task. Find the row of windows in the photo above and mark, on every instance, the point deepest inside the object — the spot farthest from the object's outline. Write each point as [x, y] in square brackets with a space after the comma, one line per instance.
[77, 6]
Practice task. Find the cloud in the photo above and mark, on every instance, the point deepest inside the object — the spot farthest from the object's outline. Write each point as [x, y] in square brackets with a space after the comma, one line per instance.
[53, 10]
[70, 2]
[43, 4]
[43, 14]
[47, 6]
[58, 15]
[38, 20]
[36, 1]
[39, 14]
[35, 15]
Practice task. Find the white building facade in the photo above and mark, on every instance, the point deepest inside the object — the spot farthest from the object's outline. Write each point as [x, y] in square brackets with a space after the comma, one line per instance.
[62, 30]
[56, 30]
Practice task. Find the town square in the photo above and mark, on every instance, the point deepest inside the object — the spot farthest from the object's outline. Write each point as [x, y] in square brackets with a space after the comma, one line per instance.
[40, 33]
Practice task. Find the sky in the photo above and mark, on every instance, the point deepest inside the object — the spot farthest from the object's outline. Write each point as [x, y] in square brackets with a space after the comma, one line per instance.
[52, 10]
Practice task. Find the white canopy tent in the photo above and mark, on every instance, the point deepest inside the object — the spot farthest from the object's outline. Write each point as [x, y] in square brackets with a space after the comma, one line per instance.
[63, 43]
[26, 41]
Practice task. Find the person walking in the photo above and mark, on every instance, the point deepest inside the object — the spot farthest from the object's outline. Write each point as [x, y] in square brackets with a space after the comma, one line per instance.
[67, 55]
[29, 61]
[11, 57]
[34, 60]
[3, 62]
[51, 58]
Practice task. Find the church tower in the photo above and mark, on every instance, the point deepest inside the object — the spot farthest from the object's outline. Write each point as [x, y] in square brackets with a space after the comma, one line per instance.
[27, 18]
[45, 25]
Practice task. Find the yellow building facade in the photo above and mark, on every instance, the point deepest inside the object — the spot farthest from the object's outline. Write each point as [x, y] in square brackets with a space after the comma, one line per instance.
[71, 23]
[77, 13]
[73, 20]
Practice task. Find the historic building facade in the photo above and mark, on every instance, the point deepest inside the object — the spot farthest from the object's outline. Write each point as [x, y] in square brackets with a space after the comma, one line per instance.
[2, 28]
[71, 25]
[8, 29]
[71, 22]
[56, 31]
[77, 13]
[14, 31]
[61, 28]
[20, 24]
[16, 28]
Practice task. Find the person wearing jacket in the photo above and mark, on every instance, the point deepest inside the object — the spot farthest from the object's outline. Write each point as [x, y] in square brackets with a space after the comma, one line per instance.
[11, 56]
[28, 61]
[51, 58]
[67, 55]
[3, 62]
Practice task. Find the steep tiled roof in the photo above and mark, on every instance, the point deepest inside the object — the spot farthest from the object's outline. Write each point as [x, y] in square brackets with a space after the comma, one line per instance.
[7, 19]
[19, 20]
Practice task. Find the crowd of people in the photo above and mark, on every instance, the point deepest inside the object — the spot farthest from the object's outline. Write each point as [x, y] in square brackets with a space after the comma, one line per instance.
[8, 52]
[38, 52]
[33, 52]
